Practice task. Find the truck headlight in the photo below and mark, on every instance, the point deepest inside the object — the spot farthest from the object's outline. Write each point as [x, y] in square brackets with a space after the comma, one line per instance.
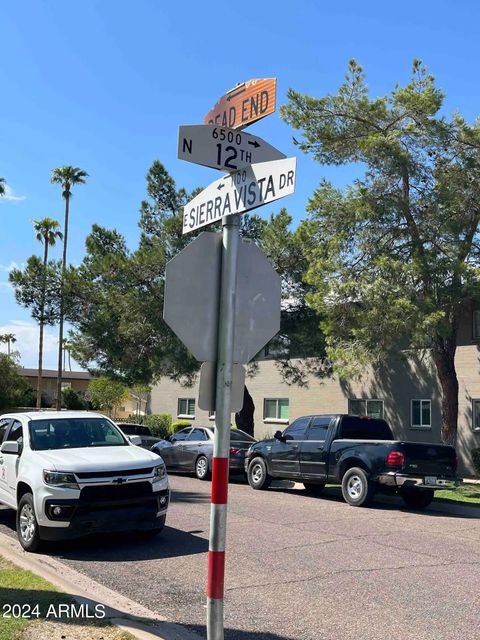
[159, 472]
[62, 479]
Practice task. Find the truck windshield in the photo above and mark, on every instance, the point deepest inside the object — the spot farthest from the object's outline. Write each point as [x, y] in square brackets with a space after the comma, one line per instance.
[363, 428]
[74, 433]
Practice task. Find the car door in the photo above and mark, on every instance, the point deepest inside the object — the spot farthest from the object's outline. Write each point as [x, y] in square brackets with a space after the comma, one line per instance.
[285, 453]
[12, 460]
[172, 455]
[196, 442]
[313, 453]
[4, 425]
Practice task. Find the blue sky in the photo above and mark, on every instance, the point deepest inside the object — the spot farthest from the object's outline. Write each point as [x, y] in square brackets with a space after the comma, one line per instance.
[104, 86]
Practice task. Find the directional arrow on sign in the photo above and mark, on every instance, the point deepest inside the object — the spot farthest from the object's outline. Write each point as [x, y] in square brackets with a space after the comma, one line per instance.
[223, 148]
[241, 191]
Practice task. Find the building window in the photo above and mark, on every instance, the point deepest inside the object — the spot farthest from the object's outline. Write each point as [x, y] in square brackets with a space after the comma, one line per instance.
[66, 385]
[476, 415]
[276, 409]
[421, 414]
[476, 324]
[186, 408]
[371, 408]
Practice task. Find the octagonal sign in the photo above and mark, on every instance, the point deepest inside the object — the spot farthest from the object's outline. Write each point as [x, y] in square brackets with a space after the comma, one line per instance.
[192, 290]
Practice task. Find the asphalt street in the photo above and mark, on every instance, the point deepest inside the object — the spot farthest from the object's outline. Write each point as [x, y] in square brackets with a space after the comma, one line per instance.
[299, 567]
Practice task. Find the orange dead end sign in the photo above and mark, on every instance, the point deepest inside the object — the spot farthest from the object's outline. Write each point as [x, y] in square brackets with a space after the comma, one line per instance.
[244, 104]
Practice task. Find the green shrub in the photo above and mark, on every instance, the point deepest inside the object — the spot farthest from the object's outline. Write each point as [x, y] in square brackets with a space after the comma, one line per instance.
[160, 425]
[180, 424]
[28, 398]
[73, 400]
[476, 460]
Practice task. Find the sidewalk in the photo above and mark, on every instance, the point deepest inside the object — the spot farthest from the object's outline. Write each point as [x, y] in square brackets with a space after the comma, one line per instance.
[127, 615]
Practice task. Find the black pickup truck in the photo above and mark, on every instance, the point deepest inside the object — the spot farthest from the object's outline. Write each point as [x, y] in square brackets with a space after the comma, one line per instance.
[358, 452]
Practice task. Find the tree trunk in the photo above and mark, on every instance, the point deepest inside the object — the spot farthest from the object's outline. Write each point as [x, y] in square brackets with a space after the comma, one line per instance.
[60, 330]
[444, 357]
[42, 321]
[244, 419]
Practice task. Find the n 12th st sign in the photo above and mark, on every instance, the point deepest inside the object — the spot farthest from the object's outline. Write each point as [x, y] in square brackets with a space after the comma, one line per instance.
[222, 148]
[240, 191]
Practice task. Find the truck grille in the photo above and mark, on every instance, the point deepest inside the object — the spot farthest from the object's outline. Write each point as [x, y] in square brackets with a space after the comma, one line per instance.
[90, 475]
[112, 493]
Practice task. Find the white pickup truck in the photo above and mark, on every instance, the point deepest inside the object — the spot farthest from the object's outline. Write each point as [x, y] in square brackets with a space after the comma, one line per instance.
[72, 473]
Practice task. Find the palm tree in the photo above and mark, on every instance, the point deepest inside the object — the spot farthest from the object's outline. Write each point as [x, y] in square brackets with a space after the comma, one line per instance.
[47, 232]
[67, 348]
[2, 186]
[8, 339]
[67, 177]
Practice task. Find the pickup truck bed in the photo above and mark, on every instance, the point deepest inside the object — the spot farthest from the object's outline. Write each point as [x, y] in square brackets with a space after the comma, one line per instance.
[359, 453]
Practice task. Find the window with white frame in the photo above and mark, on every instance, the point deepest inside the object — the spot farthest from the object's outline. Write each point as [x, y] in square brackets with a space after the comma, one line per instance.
[476, 415]
[421, 414]
[276, 409]
[186, 407]
[366, 407]
[476, 324]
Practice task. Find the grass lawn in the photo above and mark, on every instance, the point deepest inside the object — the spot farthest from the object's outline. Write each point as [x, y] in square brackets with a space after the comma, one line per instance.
[468, 494]
[28, 593]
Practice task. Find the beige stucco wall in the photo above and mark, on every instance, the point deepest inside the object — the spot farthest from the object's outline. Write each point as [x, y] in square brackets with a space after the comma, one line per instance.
[396, 384]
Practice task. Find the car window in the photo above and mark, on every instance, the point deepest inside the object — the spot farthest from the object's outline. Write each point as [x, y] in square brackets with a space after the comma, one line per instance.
[129, 429]
[144, 431]
[364, 428]
[181, 435]
[15, 432]
[197, 435]
[4, 424]
[319, 428]
[298, 429]
[73, 433]
[237, 435]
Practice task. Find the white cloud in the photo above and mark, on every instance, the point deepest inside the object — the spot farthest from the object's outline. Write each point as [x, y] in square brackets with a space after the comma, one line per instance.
[27, 334]
[10, 196]
[10, 267]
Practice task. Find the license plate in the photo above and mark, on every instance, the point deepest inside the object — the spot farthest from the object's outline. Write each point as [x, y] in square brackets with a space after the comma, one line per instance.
[430, 479]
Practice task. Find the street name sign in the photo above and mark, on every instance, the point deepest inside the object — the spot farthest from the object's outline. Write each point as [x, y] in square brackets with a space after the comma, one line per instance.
[241, 191]
[192, 298]
[223, 148]
[244, 104]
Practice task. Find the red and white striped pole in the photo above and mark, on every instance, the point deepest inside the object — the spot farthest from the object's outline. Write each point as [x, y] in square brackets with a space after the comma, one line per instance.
[221, 449]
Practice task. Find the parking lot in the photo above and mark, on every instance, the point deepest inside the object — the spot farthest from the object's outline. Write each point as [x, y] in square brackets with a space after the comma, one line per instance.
[299, 567]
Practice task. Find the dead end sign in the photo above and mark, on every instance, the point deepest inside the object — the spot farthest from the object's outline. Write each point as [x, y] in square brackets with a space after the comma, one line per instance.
[244, 104]
[241, 191]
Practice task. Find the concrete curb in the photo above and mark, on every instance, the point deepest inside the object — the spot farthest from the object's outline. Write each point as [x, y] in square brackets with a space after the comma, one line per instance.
[124, 613]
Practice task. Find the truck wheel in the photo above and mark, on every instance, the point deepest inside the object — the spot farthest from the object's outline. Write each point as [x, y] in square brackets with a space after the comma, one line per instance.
[258, 477]
[313, 489]
[201, 468]
[357, 489]
[27, 526]
[417, 498]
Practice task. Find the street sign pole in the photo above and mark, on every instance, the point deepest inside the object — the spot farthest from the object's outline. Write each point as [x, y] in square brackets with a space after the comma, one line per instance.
[221, 450]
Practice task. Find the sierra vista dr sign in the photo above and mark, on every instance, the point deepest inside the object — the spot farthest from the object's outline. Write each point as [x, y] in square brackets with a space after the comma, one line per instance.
[241, 191]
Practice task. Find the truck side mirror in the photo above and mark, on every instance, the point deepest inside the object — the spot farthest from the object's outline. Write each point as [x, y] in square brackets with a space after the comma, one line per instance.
[10, 447]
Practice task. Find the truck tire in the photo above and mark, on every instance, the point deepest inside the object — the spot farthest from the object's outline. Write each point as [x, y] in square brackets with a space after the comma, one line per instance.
[27, 525]
[258, 477]
[357, 489]
[313, 489]
[417, 498]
